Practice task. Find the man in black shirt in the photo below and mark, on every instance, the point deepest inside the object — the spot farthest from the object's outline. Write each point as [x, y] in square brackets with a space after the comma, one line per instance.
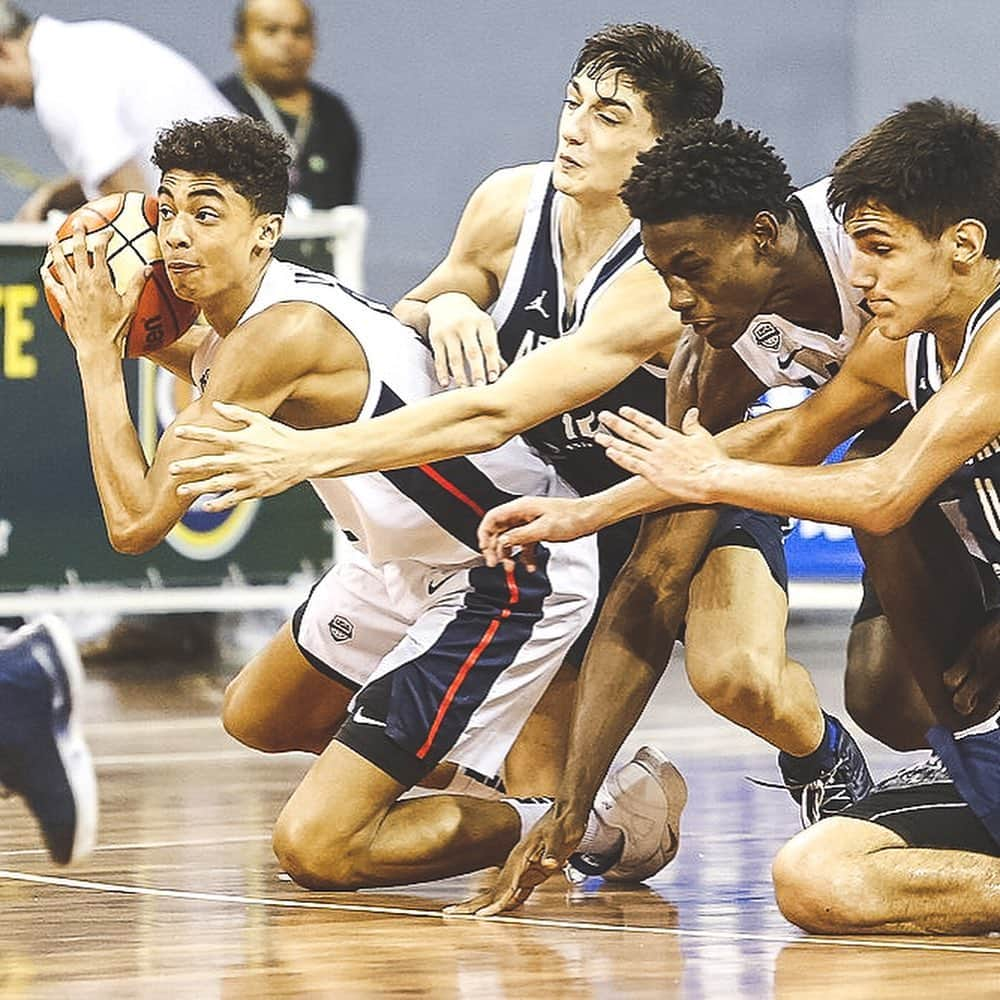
[275, 42]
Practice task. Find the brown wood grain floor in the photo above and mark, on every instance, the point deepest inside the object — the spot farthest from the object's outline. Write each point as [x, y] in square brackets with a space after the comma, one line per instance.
[183, 897]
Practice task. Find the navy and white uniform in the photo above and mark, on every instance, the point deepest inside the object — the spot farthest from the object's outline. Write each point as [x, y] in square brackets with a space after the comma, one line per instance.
[449, 655]
[531, 310]
[954, 801]
[780, 353]
[969, 497]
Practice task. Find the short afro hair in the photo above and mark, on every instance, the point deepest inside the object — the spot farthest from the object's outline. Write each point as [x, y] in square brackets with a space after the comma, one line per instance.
[708, 168]
[933, 163]
[677, 82]
[248, 154]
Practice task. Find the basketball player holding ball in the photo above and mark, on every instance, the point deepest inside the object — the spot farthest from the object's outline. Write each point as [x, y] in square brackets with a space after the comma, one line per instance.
[102, 132]
[375, 672]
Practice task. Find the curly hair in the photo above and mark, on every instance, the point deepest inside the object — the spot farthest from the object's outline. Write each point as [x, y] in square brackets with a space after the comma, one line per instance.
[247, 153]
[933, 163]
[677, 82]
[708, 168]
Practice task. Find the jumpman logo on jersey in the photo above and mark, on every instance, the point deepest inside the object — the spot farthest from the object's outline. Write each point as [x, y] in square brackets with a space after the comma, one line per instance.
[536, 304]
[203, 380]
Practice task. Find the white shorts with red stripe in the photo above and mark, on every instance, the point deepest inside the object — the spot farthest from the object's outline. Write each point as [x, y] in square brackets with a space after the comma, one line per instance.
[449, 663]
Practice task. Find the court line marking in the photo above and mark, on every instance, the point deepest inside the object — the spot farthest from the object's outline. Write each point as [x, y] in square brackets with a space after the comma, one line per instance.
[398, 911]
[252, 838]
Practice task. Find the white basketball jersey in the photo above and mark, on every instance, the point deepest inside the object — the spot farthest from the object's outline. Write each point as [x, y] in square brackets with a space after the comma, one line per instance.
[779, 352]
[427, 514]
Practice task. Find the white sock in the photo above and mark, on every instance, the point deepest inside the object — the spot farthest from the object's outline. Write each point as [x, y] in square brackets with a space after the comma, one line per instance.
[465, 782]
[599, 838]
[530, 810]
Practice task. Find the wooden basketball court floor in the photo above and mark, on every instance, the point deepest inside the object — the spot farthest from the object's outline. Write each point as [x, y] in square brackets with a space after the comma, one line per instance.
[183, 897]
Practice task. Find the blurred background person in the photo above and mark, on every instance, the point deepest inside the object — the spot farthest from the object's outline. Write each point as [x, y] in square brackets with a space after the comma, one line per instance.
[101, 120]
[101, 90]
[275, 42]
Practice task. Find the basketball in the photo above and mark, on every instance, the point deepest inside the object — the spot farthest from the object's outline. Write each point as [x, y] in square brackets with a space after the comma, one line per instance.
[161, 317]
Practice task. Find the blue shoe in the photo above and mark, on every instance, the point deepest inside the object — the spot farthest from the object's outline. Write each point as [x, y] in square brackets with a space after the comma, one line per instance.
[827, 782]
[43, 757]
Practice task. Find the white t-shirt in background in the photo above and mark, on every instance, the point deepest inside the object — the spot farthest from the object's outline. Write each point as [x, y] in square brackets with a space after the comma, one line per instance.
[103, 90]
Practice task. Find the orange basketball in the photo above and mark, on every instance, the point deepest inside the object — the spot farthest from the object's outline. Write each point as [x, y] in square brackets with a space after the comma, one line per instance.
[161, 316]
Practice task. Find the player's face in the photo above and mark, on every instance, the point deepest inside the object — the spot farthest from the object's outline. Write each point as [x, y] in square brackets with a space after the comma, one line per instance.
[278, 47]
[905, 276]
[715, 277]
[210, 236]
[603, 127]
[16, 84]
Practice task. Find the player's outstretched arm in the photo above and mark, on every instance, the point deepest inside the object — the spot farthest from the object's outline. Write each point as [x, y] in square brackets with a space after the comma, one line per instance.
[253, 457]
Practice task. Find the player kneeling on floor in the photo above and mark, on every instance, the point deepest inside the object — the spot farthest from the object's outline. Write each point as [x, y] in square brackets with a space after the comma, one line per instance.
[410, 653]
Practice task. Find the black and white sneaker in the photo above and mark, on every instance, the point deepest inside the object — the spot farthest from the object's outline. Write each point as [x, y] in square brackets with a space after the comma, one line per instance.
[827, 790]
[43, 756]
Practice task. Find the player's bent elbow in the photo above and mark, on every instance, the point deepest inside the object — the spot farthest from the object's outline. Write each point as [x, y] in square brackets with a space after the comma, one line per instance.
[132, 539]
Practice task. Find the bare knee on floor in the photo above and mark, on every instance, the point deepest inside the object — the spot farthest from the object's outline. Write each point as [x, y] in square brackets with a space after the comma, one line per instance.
[317, 858]
[819, 876]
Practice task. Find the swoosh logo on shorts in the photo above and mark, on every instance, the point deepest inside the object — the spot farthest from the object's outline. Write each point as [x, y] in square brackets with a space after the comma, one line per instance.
[433, 587]
[366, 720]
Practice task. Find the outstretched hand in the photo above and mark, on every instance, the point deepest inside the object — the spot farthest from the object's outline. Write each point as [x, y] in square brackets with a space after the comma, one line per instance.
[674, 462]
[95, 316]
[542, 852]
[252, 456]
[512, 531]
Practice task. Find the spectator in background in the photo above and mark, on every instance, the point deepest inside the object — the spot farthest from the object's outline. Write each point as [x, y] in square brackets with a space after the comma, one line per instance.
[101, 91]
[275, 42]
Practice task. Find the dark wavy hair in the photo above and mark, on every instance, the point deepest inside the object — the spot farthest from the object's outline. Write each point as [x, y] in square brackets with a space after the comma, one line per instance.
[248, 154]
[677, 81]
[708, 168]
[933, 163]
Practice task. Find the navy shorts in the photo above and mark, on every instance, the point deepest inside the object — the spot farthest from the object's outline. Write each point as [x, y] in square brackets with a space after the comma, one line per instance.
[923, 805]
[736, 526]
[753, 530]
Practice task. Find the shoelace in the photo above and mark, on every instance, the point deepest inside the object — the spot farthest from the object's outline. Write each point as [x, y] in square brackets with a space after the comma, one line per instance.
[814, 794]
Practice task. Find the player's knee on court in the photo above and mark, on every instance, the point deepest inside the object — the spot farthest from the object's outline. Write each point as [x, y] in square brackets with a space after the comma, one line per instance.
[803, 886]
[817, 880]
[317, 858]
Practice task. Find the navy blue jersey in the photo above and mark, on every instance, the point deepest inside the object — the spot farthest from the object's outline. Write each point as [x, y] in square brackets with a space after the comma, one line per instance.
[969, 496]
[531, 310]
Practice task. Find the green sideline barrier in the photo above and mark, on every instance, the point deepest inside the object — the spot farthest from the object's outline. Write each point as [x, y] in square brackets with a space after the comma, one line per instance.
[52, 533]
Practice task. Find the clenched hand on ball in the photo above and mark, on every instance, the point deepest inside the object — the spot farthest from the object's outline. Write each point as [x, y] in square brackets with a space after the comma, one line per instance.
[96, 316]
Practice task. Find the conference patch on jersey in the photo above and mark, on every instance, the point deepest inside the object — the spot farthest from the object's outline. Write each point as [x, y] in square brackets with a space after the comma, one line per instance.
[767, 335]
[341, 628]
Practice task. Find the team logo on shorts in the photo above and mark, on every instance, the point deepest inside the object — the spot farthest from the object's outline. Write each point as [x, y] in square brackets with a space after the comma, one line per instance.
[341, 628]
[767, 335]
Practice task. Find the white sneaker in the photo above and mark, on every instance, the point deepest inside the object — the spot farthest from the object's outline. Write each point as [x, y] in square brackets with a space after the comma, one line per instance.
[643, 799]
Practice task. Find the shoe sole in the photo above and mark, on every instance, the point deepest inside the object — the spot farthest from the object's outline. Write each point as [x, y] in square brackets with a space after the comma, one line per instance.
[70, 743]
[675, 792]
